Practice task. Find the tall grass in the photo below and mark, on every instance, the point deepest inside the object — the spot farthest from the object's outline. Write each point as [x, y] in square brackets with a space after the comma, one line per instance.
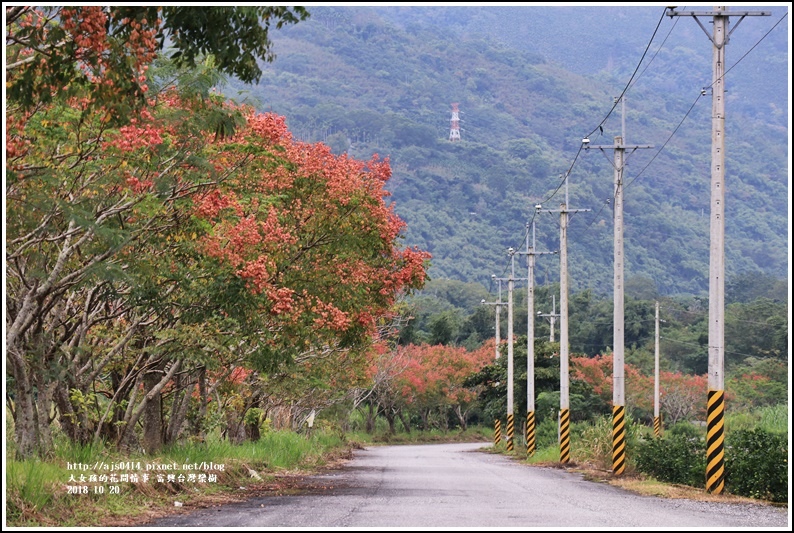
[773, 419]
[74, 452]
[274, 450]
[30, 487]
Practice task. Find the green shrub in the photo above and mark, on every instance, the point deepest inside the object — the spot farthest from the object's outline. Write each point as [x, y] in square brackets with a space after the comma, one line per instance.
[687, 429]
[546, 433]
[756, 465]
[674, 459]
[592, 442]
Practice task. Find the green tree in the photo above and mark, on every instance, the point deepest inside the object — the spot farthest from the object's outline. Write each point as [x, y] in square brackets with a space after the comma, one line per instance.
[57, 50]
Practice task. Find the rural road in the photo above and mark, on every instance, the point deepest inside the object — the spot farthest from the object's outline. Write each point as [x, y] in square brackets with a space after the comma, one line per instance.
[455, 485]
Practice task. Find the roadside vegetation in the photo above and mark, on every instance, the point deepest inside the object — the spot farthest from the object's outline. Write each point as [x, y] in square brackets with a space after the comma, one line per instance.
[279, 462]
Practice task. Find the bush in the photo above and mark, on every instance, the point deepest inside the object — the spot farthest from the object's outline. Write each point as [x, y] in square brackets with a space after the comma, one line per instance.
[756, 465]
[674, 459]
[593, 442]
[546, 434]
[687, 429]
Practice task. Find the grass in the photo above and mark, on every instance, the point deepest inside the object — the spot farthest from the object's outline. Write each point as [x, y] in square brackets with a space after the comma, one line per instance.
[38, 495]
[773, 419]
[30, 487]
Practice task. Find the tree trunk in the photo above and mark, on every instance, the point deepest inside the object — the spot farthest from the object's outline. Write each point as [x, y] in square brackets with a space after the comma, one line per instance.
[152, 413]
[405, 423]
[133, 415]
[24, 417]
[198, 428]
[461, 417]
[178, 409]
[43, 406]
[68, 418]
[370, 418]
[235, 428]
[389, 414]
[425, 415]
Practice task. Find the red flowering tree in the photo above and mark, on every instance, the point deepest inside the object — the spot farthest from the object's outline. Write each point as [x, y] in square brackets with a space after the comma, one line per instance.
[433, 379]
[103, 52]
[310, 237]
[148, 243]
[682, 396]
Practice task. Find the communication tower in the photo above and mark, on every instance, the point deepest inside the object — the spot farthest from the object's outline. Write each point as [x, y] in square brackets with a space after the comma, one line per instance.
[454, 129]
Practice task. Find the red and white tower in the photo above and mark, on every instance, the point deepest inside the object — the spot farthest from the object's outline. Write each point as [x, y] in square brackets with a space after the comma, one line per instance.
[454, 129]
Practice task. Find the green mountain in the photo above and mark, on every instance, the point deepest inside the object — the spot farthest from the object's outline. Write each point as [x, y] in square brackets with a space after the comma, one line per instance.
[530, 83]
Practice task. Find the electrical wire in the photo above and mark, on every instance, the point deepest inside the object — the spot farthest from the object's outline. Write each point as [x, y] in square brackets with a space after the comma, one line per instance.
[617, 100]
[704, 314]
[703, 346]
[655, 53]
[629, 84]
[711, 85]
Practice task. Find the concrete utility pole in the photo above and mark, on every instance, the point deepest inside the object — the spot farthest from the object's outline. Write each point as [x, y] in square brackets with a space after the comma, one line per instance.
[715, 406]
[657, 419]
[531, 253]
[510, 400]
[565, 414]
[618, 372]
[497, 304]
[497, 435]
[551, 316]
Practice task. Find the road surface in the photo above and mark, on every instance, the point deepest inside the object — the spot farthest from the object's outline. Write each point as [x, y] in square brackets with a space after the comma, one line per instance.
[457, 485]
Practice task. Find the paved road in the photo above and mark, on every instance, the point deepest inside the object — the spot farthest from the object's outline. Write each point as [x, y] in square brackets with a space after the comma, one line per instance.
[455, 485]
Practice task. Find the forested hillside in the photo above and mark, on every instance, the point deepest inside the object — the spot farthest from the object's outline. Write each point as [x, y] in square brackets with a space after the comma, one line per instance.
[531, 82]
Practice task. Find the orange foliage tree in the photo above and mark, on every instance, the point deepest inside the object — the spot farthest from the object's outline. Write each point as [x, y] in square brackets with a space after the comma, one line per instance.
[310, 237]
[157, 232]
[434, 376]
[681, 396]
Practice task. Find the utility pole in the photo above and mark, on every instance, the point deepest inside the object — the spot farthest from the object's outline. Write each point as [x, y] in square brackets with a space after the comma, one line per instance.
[510, 400]
[531, 253]
[715, 405]
[618, 372]
[565, 410]
[551, 316]
[498, 305]
[657, 419]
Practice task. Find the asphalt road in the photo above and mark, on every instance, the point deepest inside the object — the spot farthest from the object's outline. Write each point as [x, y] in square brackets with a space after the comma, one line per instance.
[455, 485]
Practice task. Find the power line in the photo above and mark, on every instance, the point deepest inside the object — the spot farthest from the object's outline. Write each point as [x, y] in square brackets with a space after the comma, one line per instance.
[702, 346]
[705, 313]
[628, 84]
[702, 93]
[656, 53]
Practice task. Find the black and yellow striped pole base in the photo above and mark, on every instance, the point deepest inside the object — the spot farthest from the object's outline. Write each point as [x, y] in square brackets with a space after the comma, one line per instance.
[715, 440]
[511, 426]
[497, 432]
[565, 435]
[530, 433]
[618, 439]
[657, 426]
